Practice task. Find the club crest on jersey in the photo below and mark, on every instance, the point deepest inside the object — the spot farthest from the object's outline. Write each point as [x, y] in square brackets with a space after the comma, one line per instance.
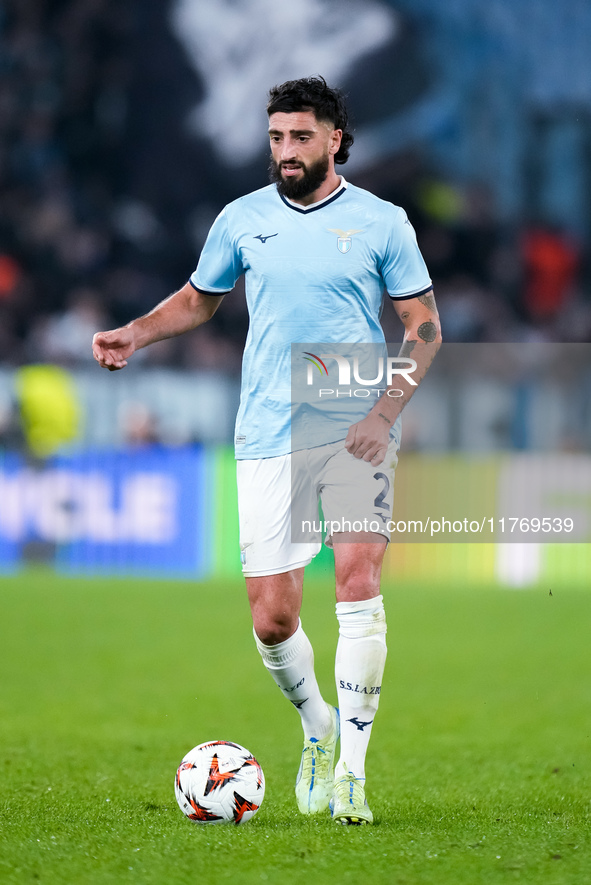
[344, 241]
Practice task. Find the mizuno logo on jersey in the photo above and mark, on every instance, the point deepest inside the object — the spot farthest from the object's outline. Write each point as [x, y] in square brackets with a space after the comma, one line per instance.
[264, 239]
[344, 241]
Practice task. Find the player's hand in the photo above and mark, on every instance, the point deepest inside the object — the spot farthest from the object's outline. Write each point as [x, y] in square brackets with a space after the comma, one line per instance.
[369, 439]
[112, 349]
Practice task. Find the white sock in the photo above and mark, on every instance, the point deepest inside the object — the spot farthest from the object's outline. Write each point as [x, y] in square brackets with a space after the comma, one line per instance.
[359, 666]
[291, 664]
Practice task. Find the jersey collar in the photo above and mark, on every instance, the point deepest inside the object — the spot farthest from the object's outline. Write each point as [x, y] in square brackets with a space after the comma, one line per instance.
[313, 206]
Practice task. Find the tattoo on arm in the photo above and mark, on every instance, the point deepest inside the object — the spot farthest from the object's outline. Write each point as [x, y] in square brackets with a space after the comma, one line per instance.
[427, 332]
[428, 300]
[407, 348]
[387, 420]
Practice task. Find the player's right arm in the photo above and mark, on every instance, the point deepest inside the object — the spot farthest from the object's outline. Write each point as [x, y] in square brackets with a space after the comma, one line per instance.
[180, 312]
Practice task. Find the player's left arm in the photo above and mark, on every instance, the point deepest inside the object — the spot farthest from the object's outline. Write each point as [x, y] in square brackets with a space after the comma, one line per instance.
[369, 438]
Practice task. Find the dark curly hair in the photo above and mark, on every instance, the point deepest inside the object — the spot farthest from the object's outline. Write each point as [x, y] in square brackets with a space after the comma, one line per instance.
[314, 94]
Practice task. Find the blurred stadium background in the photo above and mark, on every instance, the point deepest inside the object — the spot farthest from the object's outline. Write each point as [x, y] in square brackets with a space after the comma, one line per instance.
[126, 125]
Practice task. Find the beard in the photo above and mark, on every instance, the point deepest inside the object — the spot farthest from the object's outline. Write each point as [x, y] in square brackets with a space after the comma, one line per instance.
[299, 188]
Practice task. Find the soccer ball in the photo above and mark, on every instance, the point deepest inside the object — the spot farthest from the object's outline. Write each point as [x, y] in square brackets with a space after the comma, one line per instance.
[219, 783]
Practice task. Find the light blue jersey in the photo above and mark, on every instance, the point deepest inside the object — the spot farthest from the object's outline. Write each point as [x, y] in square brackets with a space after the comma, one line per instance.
[314, 273]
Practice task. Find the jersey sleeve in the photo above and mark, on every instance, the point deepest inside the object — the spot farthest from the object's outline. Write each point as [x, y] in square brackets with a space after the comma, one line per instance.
[220, 264]
[403, 269]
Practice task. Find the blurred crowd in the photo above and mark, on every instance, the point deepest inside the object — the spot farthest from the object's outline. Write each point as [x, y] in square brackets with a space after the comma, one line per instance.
[495, 280]
[73, 242]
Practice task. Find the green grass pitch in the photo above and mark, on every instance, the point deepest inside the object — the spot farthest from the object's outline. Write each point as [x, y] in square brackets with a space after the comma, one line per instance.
[478, 770]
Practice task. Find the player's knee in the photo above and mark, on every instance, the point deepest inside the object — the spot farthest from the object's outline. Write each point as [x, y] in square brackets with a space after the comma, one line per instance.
[273, 630]
[358, 581]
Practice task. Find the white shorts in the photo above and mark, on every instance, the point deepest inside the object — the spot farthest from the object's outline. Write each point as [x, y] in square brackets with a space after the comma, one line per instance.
[281, 528]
